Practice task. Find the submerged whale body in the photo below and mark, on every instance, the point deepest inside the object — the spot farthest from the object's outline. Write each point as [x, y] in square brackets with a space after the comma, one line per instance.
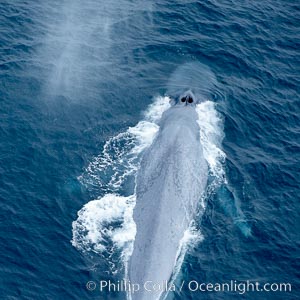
[171, 179]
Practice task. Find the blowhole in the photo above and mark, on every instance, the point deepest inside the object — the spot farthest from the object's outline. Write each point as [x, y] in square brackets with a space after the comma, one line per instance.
[190, 100]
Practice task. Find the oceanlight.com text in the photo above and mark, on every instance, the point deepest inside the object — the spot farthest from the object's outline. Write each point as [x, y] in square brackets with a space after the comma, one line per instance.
[240, 287]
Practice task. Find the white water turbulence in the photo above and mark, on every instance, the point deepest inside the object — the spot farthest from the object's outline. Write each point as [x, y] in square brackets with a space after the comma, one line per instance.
[105, 225]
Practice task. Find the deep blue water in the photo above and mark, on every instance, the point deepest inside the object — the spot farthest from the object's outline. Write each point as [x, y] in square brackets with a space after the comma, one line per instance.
[74, 73]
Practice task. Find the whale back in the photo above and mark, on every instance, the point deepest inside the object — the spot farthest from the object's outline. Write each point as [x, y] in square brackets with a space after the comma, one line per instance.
[169, 184]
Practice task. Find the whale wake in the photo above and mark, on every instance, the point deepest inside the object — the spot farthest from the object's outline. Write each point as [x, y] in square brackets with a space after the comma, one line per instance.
[106, 225]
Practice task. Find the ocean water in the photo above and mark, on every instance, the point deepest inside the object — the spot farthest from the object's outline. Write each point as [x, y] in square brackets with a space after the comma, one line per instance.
[82, 84]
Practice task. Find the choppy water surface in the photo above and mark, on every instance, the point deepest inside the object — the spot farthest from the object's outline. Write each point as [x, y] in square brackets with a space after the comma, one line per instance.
[82, 86]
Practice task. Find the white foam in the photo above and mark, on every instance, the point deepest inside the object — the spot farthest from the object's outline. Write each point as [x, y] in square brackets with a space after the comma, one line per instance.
[155, 110]
[108, 220]
[144, 133]
[103, 221]
[120, 156]
[211, 136]
[192, 236]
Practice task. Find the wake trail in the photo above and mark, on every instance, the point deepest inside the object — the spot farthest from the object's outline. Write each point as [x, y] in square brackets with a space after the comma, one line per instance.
[105, 225]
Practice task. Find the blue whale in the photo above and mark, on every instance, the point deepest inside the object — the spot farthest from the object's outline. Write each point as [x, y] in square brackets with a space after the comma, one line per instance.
[170, 182]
